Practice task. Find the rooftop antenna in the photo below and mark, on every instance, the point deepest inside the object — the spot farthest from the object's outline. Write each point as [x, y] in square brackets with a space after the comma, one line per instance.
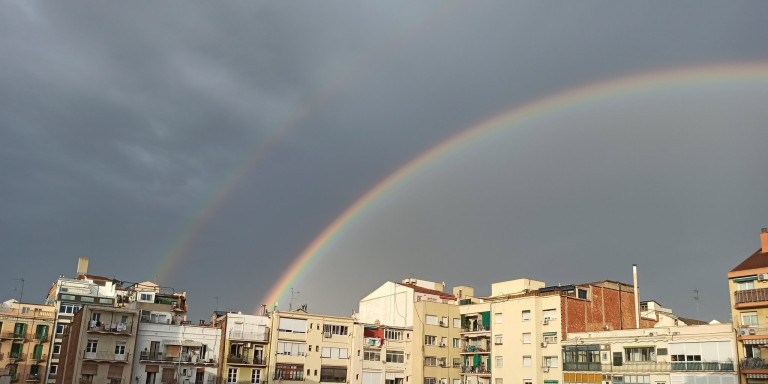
[21, 295]
[696, 297]
[290, 303]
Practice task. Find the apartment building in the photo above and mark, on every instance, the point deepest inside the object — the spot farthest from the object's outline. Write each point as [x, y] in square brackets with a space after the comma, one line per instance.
[149, 297]
[67, 296]
[701, 354]
[513, 335]
[244, 347]
[314, 348]
[384, 354]
[25, 340]
[434, 355]
[98, 346]
[175, 353]
[748, 286]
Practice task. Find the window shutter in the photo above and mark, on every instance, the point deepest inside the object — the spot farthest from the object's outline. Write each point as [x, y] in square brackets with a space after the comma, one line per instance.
[115, 371]
[169, 374]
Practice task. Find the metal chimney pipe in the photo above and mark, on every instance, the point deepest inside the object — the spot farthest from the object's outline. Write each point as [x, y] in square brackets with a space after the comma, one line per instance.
[637, 297]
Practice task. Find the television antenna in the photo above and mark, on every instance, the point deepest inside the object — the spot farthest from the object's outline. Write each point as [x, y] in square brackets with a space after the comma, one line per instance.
[290, 303]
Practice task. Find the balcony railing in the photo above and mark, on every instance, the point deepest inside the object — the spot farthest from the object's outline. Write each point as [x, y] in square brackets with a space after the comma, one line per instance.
[578, 366]
[33, 378]
[244, 359]
[51, 376]
[17, 356]
[12, 335]
[106, 356]
[753, 363]
[39, 337]
[251, 336]
[751, 295]
[40, 357]
[110, 327]
[726, 366]
[475, 370]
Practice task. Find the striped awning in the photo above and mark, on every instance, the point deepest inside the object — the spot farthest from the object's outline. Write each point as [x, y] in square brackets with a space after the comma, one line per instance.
[755, 341]
[757, 375]
[743, 279]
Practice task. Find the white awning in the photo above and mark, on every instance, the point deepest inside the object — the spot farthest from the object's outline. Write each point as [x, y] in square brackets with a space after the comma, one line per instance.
[757, 375]
[394, 375]
[191, 343]
[755, 341]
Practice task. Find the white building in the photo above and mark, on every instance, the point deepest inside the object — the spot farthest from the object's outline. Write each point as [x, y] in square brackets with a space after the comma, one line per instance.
[167, 352]
[700, 354]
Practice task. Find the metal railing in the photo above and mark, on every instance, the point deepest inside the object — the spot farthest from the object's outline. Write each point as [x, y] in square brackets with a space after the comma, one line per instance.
[244, 359]
[651, 366]
[582, 366]
[476, 370]
[639, 366]
[40, 357]
[42, 337]
[33, 377]
[719, 366]
[12, 335]
[753, 363]
[17, 356]
[751, 295]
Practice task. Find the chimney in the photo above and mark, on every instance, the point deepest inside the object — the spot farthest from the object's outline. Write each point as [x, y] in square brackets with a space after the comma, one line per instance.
[82, 266]
[764, 239]
[637, 297]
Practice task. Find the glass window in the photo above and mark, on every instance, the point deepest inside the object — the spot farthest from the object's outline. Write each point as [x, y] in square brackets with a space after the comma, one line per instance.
[749, 319]
[526, 315]
[231, 375]
[430, 340]
[497, 318]
[744, 285]
[457, 323]
[499, 361]
[499, 339]
[526, 338]
[333, 374]
[255, 376]
[395, 357]
[526, 361]
[457, 343]
[550, 314]
[550, 361]
[431, 320]
[640, 354]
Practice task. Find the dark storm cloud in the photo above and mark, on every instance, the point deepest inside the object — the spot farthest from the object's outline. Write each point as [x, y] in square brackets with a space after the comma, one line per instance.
[119, 121]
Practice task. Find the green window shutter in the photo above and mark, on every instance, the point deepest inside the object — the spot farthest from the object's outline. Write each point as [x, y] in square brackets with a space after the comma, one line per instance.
[38, 352]
[486, 319]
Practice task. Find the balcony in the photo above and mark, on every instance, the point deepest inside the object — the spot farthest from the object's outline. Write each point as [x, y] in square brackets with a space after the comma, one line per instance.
[114, 328]
[698, 366]
[105, 356]
[33, 378]
[749, 298]
[479, 330]
[41, 338]
[249, 336]
[639, 367]
[51, 376]
[245, 359]
[480, 371]
[12, 335]
[40, 357]
[17, 356]
[473, 349]
[753, 365]
[578, 366]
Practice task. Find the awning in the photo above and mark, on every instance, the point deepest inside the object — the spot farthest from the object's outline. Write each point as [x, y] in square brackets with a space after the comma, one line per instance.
[201, 370]
[394, 375]
[757, 375]
[90, 369]
[115, 371]
[550, 333]
[639, 346]
[743, 279]
[152, 368]
[172, 350]
[191, 343]
[755, 341]
[550, 381]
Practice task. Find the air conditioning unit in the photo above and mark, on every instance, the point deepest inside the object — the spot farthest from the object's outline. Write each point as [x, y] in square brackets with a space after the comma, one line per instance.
[762, 276]
[442, 344]
[545, 369]
[546, 321]
[743, 331]
[543, 344]
[651, 334]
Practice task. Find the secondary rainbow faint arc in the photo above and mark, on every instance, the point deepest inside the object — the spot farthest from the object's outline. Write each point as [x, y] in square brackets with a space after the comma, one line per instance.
[726, 74]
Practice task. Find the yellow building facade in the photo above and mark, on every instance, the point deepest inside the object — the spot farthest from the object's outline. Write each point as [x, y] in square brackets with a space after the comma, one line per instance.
[25, 340]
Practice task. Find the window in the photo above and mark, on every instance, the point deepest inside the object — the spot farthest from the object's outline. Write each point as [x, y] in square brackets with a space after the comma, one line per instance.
[499, 339]
[499, 361]
[96, 316]
[56, 348]
[372, 356]
[526, 315]
[54, 368]
[429, 380]
[19, 330]
[640, 354]
[752, 351]
[582, 293]
[526, 338]
[499, 380]
[120, 349]
[635, 379]
[443, 341]
[290, 348]
[431, 320]
[456, 362]
[231, 374]
[334, 353]
[430, 361]
[457, 343]
[456, 322]
[550, 337]
[395, 357]
[333, 374]
[527, 381]
[289, 372]
[255, 376]
[617, 359]
[526, 361]
[456, 381]
[59, 329]
[341, 330]
[497, 318]
[69, 308]
[550, 361]
[430, 340]
[391, 334]
[91, 346]
[289, 325]
[749, 319]
[24, 311]
[550, 314]
[744, 285]
[148, 297]
[444, 321]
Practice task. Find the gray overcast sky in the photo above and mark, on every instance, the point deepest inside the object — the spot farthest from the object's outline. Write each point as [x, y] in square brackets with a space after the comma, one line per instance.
[119, 121]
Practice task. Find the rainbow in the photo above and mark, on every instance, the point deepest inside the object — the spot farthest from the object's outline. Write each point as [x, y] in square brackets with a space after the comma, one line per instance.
[747, 73]
[199, 220]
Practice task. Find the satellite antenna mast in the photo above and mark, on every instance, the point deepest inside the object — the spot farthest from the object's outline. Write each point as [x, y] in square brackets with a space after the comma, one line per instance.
[21, 295]
[290, 303]
[696, 297]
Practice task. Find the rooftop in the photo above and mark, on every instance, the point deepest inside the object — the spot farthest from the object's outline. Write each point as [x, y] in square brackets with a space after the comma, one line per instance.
[759, 259]
[441, 294]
